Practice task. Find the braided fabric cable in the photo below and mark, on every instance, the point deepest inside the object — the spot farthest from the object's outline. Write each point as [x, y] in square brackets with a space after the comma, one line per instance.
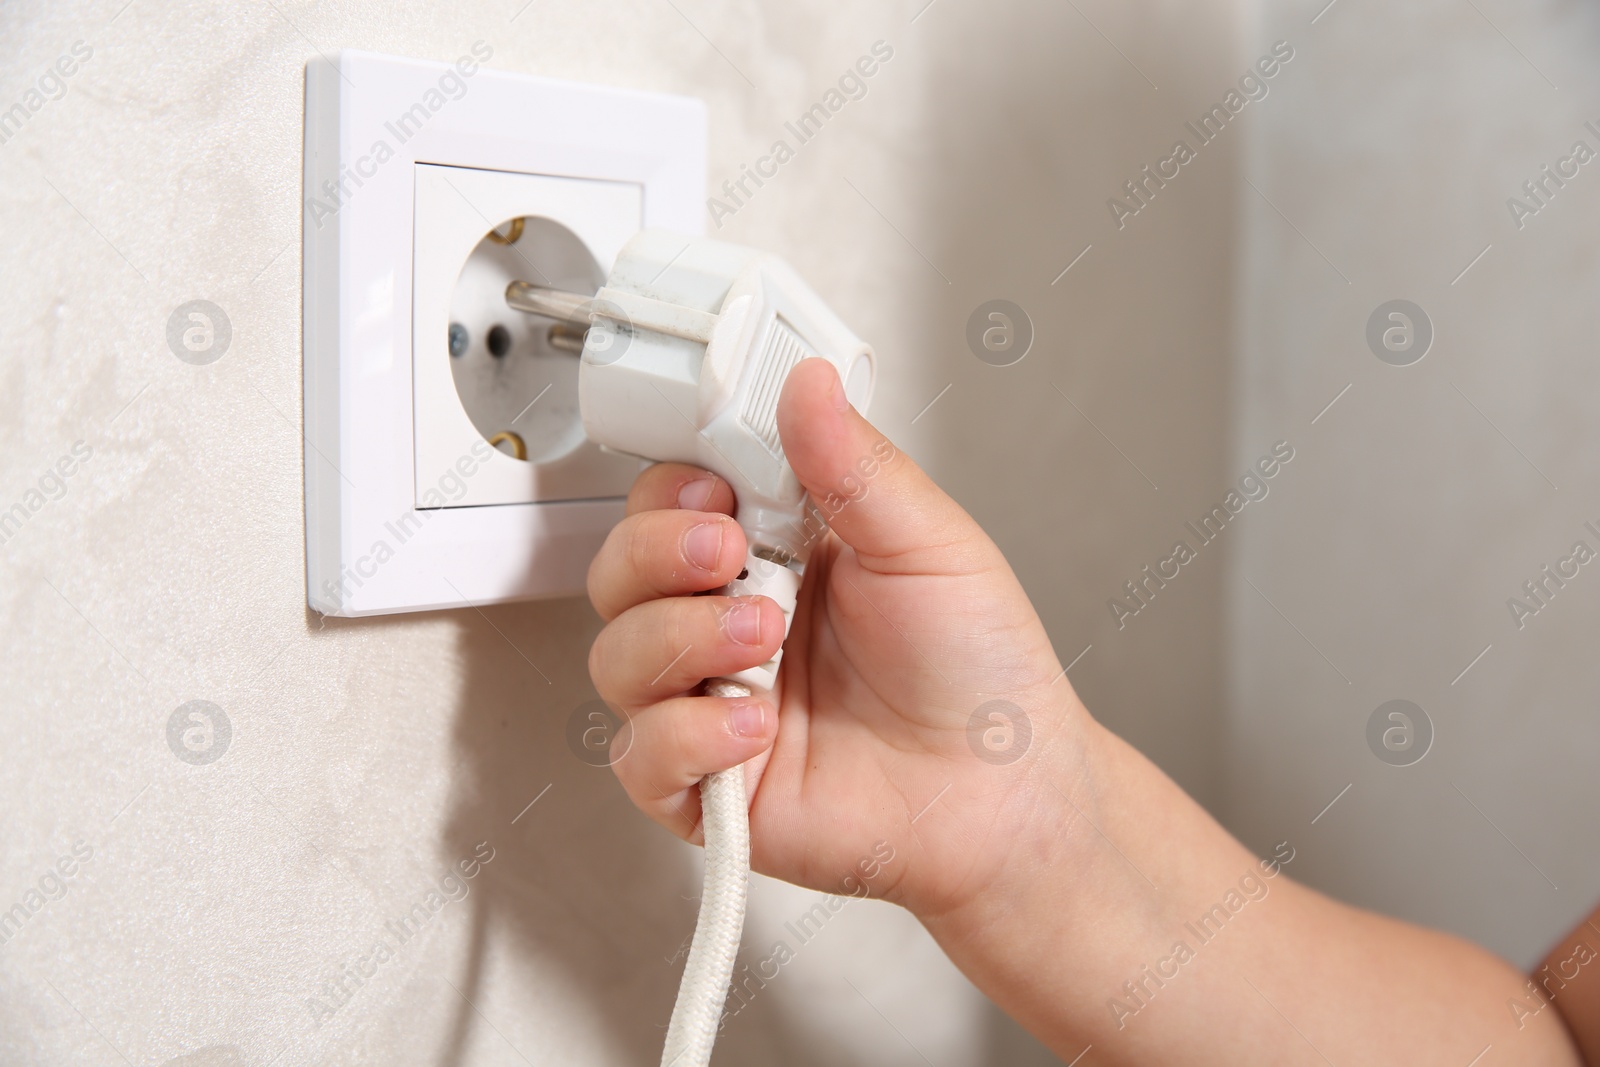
[725, 815]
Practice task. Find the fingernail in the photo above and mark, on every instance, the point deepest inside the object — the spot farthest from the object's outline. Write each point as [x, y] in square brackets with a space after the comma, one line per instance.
[747, 720]
[692, 496]
[744, 623]
[703, 545]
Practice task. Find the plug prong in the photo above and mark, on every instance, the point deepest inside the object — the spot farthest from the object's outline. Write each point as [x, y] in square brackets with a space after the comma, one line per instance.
[556, 304]
[563, 337]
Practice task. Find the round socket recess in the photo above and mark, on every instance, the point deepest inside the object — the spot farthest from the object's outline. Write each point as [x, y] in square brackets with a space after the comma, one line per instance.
[514, 384]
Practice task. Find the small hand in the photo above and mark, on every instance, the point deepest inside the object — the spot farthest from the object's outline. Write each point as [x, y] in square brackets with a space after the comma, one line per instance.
[909, 619]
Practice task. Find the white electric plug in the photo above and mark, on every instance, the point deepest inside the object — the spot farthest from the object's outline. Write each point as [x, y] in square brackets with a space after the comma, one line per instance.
[689, 344]
[687, 349]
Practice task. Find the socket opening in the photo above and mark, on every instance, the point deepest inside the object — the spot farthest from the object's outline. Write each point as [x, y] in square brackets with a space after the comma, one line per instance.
[515, 373]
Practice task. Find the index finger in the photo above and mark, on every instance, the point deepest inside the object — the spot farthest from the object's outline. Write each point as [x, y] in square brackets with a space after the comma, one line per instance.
[679, 485]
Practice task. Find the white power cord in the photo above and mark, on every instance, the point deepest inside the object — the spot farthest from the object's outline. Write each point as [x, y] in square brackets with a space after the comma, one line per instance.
[686, 351]
[725, 817]
[725, 822]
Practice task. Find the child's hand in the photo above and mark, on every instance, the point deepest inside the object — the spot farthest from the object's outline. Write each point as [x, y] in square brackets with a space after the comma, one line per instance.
[866, 771]
[1057, 880]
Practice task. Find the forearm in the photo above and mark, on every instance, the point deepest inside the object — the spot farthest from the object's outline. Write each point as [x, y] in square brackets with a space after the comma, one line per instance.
[1140, 927]
[1569, 980]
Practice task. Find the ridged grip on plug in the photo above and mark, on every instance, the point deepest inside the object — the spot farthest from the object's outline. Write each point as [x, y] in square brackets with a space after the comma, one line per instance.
[690, 360]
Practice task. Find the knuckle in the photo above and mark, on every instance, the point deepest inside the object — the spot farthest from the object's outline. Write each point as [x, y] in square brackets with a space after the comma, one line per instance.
[682, 630]
[636, 543]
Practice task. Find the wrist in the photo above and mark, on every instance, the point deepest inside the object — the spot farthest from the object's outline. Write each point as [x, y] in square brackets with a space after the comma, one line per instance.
[1045, 938]
[1098, 883]
[1041, 829]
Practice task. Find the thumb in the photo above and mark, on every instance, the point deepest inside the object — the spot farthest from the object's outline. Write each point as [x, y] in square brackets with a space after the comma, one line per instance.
[874, 497]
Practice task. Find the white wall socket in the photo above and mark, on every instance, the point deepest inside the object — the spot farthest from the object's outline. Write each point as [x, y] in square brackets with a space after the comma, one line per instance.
[408, 167]
[522, 385]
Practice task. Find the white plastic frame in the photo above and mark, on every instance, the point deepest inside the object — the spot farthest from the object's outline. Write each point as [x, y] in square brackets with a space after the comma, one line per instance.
[369, 549]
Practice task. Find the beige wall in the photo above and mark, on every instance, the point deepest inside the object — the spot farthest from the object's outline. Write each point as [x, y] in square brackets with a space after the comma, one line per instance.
[367, 757]
[1428, 494]
[1084, 459]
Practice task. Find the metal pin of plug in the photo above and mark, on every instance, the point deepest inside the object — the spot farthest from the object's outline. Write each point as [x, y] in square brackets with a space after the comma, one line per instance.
[570, 310]
[564, 337]
[558, 304]
[634, 311]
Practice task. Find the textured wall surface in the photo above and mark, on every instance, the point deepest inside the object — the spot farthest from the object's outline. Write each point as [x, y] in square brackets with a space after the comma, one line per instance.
[1421, 502]
[211, 907]
[200, 913]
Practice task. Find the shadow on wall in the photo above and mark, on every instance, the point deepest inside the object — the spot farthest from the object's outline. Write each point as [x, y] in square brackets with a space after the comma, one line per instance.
[584, 892]
[583, 887]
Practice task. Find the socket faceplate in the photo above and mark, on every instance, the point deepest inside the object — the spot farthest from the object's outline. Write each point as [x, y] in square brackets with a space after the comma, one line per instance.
[383, 532]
